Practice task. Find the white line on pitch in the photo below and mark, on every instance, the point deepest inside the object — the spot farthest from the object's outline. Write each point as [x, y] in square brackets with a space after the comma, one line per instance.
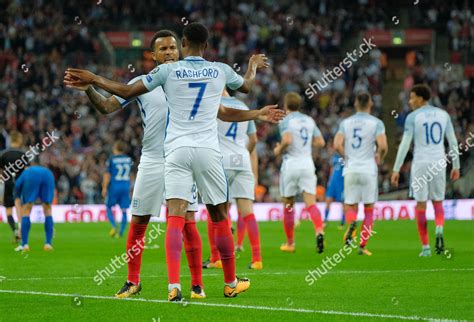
[236, 306]
[402, 271]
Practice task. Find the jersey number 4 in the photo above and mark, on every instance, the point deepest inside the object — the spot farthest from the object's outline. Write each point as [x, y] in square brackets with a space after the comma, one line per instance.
[232, 131]
[197, 102]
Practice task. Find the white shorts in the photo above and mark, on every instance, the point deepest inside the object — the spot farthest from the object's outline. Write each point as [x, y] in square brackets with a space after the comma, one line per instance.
[360, 187]
[241, 184]
[295, 181]
[148, 192]
[427, 184]
[187, 165]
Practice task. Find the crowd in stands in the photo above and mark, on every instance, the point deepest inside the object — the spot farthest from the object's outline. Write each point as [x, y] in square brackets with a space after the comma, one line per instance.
[40, 39]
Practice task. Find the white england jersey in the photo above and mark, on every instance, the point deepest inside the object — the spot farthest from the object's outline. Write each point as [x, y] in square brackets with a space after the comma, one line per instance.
[233, 138]
[360, 132]
[153, 109]
[193, 89]
[428, 125]
[298, 155]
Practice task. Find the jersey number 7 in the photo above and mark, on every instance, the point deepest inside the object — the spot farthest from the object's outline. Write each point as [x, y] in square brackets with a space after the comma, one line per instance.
[197, 102]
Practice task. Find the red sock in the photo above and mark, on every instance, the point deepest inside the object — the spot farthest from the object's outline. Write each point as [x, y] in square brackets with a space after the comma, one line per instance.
[193, 248]
[212, 240]
[240, 230]
[316, 218]
[367, 224]
[289, 224]
[254, 237]
[173, 246]
[225, 245]
[135, 244]
[351, 215]
[439, 213]
[422, 226]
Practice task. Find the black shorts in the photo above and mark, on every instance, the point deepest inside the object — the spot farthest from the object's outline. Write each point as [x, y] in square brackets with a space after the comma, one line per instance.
[8, 195]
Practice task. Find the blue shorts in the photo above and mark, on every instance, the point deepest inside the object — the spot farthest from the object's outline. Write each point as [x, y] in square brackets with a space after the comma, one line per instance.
[41, 186]
[335, 191]
[119, 197]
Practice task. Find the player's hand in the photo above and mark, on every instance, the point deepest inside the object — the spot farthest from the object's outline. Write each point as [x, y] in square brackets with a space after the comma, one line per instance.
[78, 77]
[395, 178]
[271, 113]
[455, 174]
[259, 60]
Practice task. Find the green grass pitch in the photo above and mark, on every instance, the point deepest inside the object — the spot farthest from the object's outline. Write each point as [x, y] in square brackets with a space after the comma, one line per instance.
[393, 284]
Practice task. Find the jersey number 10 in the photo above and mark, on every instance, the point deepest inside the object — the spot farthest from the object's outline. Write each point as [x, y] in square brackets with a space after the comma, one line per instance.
[429, 130]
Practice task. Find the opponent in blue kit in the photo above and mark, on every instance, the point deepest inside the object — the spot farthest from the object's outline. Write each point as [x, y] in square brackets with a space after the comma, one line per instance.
[116, 186]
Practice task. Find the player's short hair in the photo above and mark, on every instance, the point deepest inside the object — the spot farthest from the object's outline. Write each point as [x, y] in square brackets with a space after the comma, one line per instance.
[422, 90]
[16, 138]
[196, 34]
[363, 99]
[120, 146]
[293, 101]
[163, 34]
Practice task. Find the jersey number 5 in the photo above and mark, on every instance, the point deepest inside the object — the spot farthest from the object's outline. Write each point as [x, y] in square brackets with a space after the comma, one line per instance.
[356, 136]
[197, 102]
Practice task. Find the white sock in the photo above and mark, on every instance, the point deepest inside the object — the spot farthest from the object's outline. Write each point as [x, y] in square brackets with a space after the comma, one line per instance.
[172, 286]
[233, 284]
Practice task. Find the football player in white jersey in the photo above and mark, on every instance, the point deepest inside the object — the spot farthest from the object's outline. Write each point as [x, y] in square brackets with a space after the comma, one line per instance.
[299, 134]
[193, 90]
[149, 186]
[427, 126]
[362, 141]
[237, 142]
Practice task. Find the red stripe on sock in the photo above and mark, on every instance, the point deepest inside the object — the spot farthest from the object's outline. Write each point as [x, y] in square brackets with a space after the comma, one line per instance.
[367, 224]
[422, 226]
[439, 213]
[193, 248]
[135, 245]
[289, 224]
[240, 230]
[212, 240]
[225, 245]
[315, 215]
[173, 246]
[254, 237]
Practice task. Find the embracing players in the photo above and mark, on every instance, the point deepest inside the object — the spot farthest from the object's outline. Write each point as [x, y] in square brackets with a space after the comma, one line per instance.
[299, 134]
[362, 141]
[191, 146]
[427, 126]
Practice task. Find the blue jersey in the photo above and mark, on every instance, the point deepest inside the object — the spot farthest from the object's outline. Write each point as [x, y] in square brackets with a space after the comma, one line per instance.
[119, 167]
[36, 182]
[337, 168]
[335, 186]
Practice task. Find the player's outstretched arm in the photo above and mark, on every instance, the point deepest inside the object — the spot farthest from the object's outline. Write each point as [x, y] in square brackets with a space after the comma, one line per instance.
[74, 77]
[269, 113]
[255, 62]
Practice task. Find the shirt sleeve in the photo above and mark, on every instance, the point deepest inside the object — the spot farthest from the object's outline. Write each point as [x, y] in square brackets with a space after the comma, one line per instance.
[405, 144]
[232, 79]
[453, 144]
[108, 164]
[251, 128]
[124, 102]
[380, 128]
[157, 77]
